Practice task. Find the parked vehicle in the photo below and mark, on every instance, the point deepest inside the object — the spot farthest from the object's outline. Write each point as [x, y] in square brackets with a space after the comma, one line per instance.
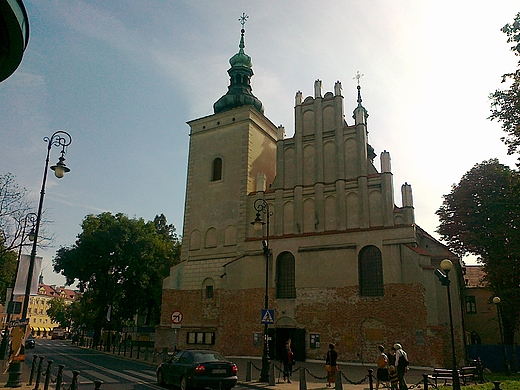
[197, 369]
[30, 342]
[58, 334]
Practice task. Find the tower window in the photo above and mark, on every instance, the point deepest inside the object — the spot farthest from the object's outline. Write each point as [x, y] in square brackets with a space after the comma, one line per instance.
[209, 292]
[471, 304]
[217, 170]
[285, 278]
[370, 268]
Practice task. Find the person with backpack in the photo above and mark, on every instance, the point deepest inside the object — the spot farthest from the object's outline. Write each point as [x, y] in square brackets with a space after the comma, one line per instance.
[401, 363]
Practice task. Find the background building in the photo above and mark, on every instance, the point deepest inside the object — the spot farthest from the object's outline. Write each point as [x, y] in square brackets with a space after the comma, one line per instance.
[347, 265]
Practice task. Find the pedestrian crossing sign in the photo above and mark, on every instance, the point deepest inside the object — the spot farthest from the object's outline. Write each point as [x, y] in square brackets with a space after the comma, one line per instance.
[267, 316]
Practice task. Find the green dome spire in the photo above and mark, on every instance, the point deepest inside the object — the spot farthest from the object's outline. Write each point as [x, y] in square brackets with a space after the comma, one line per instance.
[239, 90]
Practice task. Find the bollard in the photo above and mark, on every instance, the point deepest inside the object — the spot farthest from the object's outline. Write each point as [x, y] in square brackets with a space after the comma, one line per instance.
[33, 369]
[39, 373]
[271, 374]
[425, 381]
[164, 354]
[339, 383]
[132, 349]
[154, 355]
[138, 351]
[497, 385]
[248, 371]
[48, 375]
[146, 353]
[59, 377]
[370, 379]
[74, 383]
[303, 380]
[97, 384]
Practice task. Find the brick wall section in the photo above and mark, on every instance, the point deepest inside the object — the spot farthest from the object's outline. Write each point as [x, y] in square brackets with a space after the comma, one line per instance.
[339, 315]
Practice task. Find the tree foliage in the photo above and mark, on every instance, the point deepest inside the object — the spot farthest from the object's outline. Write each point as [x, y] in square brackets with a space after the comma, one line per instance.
[481, 216]
[505, 103]
[120, 263]
[59, 312]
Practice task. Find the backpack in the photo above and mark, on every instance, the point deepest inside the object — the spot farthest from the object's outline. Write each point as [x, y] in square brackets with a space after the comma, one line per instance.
[403, 360]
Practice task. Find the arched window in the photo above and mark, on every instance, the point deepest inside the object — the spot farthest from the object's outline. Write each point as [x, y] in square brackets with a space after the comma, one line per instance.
[217, 170]
[370, 268]
[285, 280]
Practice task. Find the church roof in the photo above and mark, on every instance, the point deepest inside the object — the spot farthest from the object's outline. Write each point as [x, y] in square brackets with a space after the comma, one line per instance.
[239, 91]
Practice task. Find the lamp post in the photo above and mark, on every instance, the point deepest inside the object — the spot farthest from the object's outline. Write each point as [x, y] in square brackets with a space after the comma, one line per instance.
[59, 139]
[496, 301]
[10, 306]
[261, 206]
[447, 266]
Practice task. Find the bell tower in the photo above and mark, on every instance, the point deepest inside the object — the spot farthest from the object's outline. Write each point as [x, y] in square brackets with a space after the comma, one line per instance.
[231, 154]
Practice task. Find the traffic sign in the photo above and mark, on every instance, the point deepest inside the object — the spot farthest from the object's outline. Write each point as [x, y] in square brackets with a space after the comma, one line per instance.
[176, 317]
[267, 316]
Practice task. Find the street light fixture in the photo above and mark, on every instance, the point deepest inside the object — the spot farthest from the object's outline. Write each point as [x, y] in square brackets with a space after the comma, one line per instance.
[10, 306]
[61, 139]
[261, 206]
[496, 301]
[447, 266]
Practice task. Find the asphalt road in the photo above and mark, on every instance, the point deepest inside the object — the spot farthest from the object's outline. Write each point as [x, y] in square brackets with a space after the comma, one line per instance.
[115, 372]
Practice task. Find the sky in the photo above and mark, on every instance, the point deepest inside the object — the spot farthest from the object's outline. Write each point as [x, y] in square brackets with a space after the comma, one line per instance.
[123, 78]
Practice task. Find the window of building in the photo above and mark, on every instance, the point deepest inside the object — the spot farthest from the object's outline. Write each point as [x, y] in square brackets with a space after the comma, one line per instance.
[217, 169]
[370, 268]
[207, 338]
[285, 276]
[471, 304]
[209, 292]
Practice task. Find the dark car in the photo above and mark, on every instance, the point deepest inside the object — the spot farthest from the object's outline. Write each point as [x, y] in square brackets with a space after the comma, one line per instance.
[30, 342]
[190, 369]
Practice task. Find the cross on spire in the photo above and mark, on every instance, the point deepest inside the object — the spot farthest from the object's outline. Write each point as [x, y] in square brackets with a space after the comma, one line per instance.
[358, 77]
[243, 19]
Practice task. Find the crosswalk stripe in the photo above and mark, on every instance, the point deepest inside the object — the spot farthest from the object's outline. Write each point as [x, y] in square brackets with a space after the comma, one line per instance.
[98, 375]
[141, 374]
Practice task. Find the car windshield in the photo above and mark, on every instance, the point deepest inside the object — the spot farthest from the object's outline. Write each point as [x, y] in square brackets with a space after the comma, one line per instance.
[207, 356]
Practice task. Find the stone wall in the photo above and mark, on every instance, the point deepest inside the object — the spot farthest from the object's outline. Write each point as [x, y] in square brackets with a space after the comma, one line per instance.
[355, 324]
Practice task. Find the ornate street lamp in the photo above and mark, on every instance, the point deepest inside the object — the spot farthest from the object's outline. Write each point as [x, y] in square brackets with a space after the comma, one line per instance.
[59, 139]
[447, 266]
[262, 207]
[31, 217]
[496, 301]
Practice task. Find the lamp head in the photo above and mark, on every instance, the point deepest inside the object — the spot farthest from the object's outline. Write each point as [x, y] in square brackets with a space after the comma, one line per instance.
[446, 265]
[496, 300]
[32, 235]
[443, 278]
[60, 169]
[258, 223]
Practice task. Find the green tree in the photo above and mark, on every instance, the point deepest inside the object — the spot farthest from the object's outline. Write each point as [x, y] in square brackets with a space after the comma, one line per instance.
[505, 103]
[481, 216]
[8, 261]
[59, 312]
[120, 263]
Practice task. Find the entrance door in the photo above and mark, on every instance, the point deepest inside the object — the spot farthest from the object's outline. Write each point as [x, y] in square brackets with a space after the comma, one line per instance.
[280, 336]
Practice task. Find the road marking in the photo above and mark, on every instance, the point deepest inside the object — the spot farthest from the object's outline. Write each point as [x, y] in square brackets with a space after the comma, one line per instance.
[98, 375]
[141, 374]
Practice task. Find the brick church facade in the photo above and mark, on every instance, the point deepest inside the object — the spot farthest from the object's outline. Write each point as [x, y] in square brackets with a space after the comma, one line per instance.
[346, 265]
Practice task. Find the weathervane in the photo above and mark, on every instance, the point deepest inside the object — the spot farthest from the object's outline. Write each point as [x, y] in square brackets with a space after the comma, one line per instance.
[357, 77]
[243, 19]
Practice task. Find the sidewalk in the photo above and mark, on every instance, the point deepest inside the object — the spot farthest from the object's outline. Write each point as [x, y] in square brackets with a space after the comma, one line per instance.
[314, 375]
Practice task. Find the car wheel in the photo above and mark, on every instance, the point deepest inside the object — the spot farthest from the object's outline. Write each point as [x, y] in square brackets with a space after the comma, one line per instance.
[184, 383]
[160, 378]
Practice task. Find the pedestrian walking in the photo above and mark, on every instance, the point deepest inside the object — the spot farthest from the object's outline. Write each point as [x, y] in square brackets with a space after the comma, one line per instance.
[288, 361]
[392, 371]
[382, 374]
[401, 363]
[331, 365]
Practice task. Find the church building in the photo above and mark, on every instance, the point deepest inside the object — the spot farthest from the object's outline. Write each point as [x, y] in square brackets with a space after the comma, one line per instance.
[337, 260]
